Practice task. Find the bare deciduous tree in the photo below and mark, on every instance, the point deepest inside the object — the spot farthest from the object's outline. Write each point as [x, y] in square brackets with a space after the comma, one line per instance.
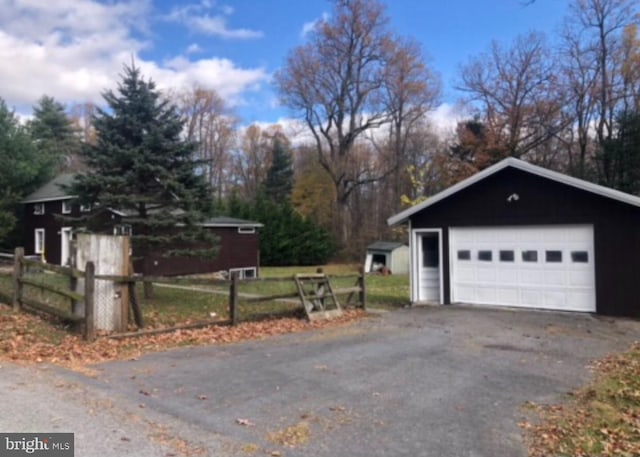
[515, 89]
[213, 127]
[339, 83]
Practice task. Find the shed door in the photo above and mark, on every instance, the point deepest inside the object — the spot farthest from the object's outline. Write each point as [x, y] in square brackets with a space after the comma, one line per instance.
[549, 267]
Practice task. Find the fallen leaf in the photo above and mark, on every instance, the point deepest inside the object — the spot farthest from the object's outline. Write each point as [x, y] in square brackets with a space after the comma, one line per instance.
[245, 422]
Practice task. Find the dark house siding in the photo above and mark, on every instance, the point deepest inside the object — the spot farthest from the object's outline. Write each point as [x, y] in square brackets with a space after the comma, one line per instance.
[51, 223]
[543, 201]
[237, 250]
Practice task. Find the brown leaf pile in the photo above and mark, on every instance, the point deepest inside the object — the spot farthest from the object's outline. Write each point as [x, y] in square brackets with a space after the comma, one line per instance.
[26, 338]
[602, 419]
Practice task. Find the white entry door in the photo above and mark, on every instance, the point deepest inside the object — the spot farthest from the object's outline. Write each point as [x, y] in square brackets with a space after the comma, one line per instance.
[65, 245]
[550, 267]
[428, 267]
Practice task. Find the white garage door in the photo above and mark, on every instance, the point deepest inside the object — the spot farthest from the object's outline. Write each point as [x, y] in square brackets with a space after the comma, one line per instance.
[548, 267]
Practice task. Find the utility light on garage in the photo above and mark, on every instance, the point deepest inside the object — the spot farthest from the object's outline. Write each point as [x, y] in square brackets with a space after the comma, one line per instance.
[513, 198]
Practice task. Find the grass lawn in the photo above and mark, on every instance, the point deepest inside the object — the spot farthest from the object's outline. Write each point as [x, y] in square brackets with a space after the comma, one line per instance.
[601, 419]
[172, 306]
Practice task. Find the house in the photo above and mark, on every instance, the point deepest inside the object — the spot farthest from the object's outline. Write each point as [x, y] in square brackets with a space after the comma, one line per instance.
[519, 235]
[47, 235]
[394, 256]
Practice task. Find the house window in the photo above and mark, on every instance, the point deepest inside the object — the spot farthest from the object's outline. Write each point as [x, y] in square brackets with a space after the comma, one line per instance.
[243, 273]
[485, 256]
[246, 230]
[553, 256]
[38, 208]
[529, 256]
[39, 241]
[66, 206]
[122, 230]
[85, 208]
[464, 255]
[580, 256]
[507, 256]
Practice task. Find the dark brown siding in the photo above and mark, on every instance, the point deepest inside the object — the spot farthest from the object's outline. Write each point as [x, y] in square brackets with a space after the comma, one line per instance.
[544, 202]
[237, 250]
[51, 225]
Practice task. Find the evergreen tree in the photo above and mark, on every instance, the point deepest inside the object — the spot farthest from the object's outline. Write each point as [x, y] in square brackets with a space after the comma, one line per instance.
[142, 167]
[23, 168]
[279, 182]
[287, 238]
[54, 131]
[619, 159]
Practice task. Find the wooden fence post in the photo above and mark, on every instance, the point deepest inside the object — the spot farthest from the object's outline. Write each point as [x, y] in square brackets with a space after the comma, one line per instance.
[18, 273]
[89, 304]
[233, 298]
[363, 289]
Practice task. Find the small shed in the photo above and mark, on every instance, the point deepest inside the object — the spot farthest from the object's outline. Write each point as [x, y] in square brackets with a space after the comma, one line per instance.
[394, 256]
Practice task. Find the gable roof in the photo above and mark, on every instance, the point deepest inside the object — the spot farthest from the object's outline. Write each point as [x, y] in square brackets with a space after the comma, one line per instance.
[386, 246]
[607, 192]
[51, 190]
[230, 222]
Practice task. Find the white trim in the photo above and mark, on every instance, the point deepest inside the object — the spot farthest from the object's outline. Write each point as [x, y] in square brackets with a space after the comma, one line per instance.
[85, 208]
[48, 199]
[38, 233]
[520, 165]
[66, 206]
[415, 261]
[246, 230]
[64, 256]
[38, 212]
[242, 271]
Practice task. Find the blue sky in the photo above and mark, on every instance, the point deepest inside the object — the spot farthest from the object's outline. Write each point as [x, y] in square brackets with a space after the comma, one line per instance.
[74, 49]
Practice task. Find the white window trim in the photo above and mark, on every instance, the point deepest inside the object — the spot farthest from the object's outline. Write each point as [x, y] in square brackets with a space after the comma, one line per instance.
[247, 230]
[241, 272]
[122, 230]
[38, 209]
[85, 208]
[38, 235]
[66, 206]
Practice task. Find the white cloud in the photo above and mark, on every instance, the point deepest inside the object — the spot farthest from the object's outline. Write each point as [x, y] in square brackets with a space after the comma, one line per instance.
[445, 118]
[74, 49]
[199, 18]
[193, 48]
[310, 26]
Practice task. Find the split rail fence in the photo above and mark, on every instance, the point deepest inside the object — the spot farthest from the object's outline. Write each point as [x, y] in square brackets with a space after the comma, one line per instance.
[77, 305]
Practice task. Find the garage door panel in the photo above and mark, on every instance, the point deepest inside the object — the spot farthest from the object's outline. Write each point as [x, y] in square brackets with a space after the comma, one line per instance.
[554, 277]
[486, 275]
[507, 295]
[486, 294]
[535, 266]
[580, 278]
[531, 297]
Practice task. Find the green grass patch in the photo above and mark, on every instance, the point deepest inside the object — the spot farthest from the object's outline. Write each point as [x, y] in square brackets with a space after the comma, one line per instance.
[191, 303]
[602, 418]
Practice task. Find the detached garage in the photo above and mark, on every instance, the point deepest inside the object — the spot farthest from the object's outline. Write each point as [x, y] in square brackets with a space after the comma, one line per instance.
[519, 235]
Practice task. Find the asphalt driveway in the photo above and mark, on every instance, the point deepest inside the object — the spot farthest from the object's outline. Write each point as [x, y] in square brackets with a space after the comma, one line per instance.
[435, 381]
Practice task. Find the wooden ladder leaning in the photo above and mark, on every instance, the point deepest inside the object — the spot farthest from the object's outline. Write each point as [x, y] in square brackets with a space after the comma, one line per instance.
[317, 297]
